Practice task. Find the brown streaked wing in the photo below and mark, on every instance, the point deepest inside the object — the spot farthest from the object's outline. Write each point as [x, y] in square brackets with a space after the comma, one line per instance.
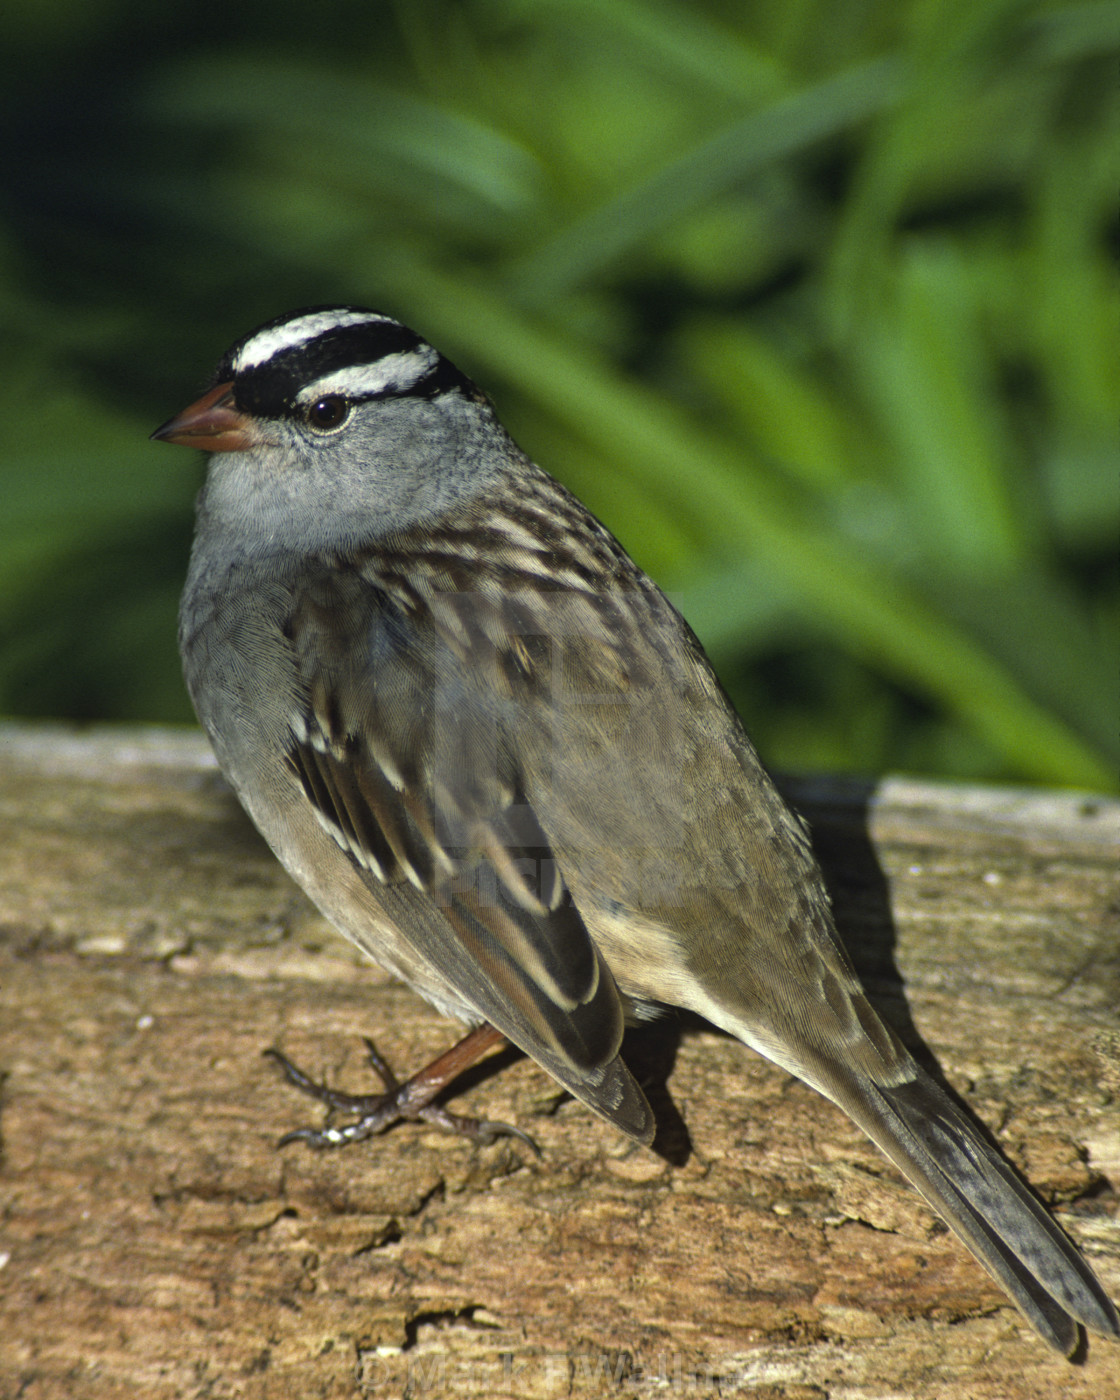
[406, 763]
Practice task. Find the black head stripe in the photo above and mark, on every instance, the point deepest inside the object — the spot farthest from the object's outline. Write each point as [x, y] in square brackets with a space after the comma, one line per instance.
[269, 368]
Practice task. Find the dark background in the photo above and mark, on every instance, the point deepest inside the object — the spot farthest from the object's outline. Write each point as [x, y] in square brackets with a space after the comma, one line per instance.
[813, 303]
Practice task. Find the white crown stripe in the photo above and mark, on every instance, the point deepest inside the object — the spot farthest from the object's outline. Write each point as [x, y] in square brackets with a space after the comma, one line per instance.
[390, 374]
[266, 344]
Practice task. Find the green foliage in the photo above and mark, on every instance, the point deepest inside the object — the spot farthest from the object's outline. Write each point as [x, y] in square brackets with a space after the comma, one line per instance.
[814, 303]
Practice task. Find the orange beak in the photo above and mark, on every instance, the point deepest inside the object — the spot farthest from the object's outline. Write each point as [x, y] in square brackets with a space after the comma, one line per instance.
[212, 423]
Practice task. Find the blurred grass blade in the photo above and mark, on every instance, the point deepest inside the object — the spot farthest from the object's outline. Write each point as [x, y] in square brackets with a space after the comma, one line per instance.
[922, 357]
[790, 415]
[355, 125]
[1033, 625]
[676, 37]
[776, 132]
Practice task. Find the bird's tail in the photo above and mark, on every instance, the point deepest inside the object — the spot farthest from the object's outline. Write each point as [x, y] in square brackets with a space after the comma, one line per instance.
[980, 1196]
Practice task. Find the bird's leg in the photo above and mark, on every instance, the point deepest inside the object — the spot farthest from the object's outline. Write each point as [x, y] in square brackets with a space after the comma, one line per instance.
[412, 1100]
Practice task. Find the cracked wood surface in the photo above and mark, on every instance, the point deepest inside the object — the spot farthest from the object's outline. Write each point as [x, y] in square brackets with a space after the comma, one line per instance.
[154, 1242]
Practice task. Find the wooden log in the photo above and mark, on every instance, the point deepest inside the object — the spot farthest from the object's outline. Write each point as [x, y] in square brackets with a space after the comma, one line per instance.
[155, 1242]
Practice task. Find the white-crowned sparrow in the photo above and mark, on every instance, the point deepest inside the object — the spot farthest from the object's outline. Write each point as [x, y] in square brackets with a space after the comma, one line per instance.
[496, 757]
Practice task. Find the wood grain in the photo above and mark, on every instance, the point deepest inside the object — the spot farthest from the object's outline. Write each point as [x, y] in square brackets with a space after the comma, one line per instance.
[155, 1242]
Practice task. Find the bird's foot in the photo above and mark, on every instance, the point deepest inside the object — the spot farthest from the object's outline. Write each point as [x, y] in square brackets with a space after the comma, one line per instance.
[411, 1100]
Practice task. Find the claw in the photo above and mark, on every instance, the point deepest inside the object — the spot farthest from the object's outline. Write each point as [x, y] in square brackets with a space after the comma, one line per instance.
[411, 1100]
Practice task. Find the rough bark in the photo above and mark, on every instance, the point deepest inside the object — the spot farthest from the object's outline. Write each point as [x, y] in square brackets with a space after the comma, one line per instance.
[155, 1242]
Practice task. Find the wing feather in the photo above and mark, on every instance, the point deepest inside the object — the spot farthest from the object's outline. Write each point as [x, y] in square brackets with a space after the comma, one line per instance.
[406, 757]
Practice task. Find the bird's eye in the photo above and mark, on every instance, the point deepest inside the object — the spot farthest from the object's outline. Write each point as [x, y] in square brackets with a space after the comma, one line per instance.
[328, 413]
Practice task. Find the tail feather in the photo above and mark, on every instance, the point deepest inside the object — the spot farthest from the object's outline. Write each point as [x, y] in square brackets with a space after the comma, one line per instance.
[919, 1128]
